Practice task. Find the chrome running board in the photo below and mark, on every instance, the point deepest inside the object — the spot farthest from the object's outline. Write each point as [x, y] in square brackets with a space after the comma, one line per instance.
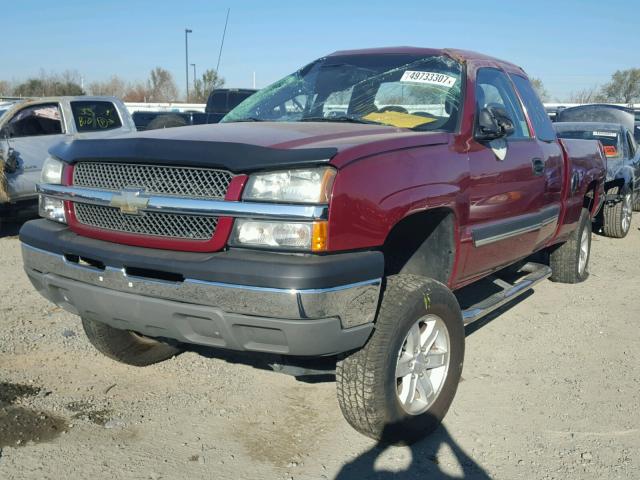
[536, 272]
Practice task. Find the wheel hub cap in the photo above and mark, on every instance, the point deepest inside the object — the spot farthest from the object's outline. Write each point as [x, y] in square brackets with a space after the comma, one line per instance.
[422, 365]
[584, 251]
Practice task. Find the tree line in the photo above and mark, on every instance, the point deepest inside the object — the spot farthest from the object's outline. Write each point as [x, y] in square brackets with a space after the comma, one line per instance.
[160, 86]
[623, 87]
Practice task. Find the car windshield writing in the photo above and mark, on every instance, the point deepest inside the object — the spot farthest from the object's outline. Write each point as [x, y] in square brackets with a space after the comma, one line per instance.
[408, 91]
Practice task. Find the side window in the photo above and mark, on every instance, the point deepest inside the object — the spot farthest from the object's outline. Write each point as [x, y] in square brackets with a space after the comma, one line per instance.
[95, 116]
[633, 148]
[539, 118]
[36, 120]
[493, 88]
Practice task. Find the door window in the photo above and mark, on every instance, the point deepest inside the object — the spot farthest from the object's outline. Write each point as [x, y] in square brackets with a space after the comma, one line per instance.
[633, 147]
[539, 118]
[494, 89]
[36, 120]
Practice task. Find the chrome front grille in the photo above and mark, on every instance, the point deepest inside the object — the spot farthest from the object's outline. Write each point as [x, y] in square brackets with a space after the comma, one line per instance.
[187, 182]
[185, 227]
[155, 179]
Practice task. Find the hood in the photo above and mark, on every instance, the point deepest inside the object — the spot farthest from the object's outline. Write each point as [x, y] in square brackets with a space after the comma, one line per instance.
[249, 146]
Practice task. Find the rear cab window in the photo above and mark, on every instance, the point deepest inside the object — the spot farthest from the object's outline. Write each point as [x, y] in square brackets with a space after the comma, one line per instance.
[236, 98]
[95, 116]
[537, 114]
[217, 102]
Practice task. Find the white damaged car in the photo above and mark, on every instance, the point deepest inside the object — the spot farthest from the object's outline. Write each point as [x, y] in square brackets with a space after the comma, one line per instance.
[28, 128]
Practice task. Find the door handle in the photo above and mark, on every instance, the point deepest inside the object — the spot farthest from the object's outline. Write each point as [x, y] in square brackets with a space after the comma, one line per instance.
[537, 164]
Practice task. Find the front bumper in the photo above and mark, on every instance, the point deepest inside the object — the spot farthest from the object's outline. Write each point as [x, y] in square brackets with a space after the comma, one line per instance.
[286, 320]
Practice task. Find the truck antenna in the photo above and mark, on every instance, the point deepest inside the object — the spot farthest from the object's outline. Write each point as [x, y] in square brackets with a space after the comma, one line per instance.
[224, 33]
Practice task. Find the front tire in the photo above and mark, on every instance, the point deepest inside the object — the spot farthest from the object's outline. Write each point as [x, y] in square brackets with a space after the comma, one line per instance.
[125, 346]
[569, 262]
[399, 386]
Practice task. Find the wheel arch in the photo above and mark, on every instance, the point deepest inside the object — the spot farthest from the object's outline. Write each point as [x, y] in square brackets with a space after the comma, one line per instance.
[591, 199]
[423, 243]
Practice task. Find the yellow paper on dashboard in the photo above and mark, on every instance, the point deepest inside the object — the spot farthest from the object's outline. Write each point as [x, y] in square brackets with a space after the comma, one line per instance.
[398, 119]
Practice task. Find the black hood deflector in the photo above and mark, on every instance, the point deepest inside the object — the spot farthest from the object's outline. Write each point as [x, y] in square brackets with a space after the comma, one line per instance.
[236, 157]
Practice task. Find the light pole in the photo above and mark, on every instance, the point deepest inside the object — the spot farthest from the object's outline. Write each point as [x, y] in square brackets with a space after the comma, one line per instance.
[187, 31]
[194, 76]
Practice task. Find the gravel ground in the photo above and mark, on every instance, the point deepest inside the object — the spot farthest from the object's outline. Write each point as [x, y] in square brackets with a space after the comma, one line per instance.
[550, 390]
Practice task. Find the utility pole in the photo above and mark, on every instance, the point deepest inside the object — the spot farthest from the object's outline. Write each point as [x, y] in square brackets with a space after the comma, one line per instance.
[194, 77]
[187, 31]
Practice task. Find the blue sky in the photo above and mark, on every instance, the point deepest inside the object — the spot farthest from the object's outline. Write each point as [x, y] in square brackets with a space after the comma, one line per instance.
[569, 44]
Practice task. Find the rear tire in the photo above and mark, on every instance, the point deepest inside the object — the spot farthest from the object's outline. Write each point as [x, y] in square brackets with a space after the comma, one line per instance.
[616, 221]
[569, 262]
[125, 346]
[380, 387]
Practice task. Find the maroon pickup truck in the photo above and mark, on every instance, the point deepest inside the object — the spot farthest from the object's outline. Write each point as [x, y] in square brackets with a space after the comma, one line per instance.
[336, 213]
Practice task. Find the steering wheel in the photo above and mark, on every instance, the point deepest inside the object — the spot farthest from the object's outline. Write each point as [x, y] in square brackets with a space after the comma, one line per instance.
[297, 104]
[393, 108]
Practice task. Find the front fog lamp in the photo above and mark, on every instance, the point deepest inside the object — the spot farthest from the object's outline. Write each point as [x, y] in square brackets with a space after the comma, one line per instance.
[310, 185]
[285, 235]
[52, 171]
[52, 208]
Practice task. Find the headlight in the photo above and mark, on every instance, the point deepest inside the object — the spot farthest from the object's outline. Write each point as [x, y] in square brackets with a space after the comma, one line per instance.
[52, 208]
[52, 171]
[310, 185]
[284, 235]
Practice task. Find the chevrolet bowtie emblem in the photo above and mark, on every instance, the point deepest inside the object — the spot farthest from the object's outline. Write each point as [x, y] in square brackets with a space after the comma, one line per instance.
[130, 201]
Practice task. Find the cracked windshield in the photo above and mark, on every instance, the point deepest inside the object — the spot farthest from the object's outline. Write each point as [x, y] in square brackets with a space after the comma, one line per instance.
[406, 91]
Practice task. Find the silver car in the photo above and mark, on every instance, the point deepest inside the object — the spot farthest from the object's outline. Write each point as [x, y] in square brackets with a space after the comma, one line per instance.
[28, 128]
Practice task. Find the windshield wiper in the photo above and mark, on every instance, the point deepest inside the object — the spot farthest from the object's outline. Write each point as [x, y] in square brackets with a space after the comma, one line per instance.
[343, 118]
[248, 119]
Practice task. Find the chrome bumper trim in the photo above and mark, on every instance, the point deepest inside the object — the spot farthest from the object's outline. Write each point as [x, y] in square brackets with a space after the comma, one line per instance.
[355, 304]
[191, 206]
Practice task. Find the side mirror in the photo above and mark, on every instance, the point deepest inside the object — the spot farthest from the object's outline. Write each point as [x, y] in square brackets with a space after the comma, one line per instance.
[493, 123]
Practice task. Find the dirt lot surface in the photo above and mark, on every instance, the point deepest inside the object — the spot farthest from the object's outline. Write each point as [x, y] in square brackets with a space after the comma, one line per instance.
[550, 390]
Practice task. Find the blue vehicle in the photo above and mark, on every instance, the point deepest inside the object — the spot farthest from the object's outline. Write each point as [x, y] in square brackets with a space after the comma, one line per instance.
[622, 185]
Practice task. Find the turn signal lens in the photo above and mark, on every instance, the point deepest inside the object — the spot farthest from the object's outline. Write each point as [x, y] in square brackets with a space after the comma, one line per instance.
[319, 237]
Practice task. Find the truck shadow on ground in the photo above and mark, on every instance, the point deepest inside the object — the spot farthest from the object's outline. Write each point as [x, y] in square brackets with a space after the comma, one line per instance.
[425, 462]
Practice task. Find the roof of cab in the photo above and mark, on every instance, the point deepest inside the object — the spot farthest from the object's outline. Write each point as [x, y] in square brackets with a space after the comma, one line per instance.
[462, 55]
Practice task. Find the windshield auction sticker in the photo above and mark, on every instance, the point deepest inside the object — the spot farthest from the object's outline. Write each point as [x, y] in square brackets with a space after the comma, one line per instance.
[428, 77]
